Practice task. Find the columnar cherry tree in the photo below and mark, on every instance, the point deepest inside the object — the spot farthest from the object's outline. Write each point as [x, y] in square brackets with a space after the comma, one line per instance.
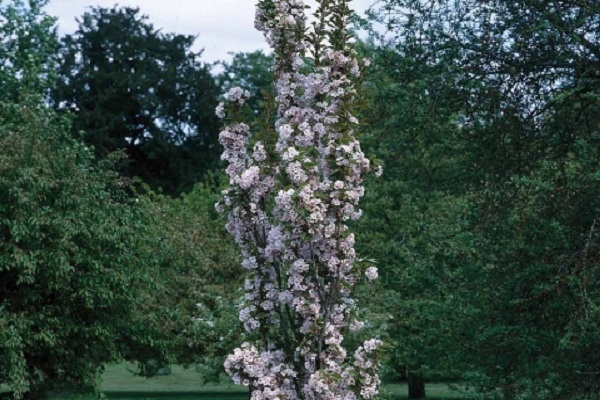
[294, 185]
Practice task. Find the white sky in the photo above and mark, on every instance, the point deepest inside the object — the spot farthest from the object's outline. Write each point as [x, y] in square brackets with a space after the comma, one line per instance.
[222, 26]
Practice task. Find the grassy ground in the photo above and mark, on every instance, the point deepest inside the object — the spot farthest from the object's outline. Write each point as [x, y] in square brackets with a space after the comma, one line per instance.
[118, 379]
[119, 384]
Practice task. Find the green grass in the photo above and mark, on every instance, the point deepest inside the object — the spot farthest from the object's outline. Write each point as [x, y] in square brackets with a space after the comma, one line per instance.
[117, 378]
[119, 384]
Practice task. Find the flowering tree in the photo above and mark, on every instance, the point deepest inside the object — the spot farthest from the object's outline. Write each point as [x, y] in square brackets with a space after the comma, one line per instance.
[293, 187]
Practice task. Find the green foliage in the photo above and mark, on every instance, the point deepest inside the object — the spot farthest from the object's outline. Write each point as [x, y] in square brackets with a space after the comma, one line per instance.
[250, 71]
[534, 288]
[415, 214]
[28, 46]
[487, 213]
[515, 64]
[187, 314]
[69, 250]
[134, 88]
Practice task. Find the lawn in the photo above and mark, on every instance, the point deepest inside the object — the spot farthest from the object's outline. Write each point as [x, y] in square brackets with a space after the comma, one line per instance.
[119, 384]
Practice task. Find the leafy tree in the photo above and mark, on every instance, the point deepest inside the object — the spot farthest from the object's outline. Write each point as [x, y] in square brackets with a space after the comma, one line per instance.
[522, 160]
[519, 63]
[414, 223]
[133, 88]
[187, 312]
[69, 243]
[87, 276]
[28, 44]
[64, 224]
[252, 72]
[531, 330]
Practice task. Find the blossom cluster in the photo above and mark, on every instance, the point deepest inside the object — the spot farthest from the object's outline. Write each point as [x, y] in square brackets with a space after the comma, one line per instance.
[265, 372]
[289, 203]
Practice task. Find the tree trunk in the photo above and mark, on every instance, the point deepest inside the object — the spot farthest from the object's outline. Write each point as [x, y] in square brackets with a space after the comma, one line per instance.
[508, 392]
[416, 386]
[33, 394]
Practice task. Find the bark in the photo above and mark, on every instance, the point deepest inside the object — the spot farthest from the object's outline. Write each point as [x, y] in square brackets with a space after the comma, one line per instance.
[416, 386]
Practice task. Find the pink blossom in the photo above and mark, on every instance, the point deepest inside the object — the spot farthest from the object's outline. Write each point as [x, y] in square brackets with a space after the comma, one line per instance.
[288, 205]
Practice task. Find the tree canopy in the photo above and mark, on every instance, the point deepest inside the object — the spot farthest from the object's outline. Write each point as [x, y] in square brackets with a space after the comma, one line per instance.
[250, 71]
[68, 253]
[132, 87]
[28, 47]
[487, 120]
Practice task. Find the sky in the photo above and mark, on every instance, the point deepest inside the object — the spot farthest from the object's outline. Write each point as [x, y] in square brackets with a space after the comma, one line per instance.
[222, 26]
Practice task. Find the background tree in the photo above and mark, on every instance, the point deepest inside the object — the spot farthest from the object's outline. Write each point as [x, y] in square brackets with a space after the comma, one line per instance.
[524, 123]
[75, 254]
[190, 303]
[250, 71]
[69, 250]
[520, 63]
[133, 88]
[414, 223]
[28, 46]
[68, 237]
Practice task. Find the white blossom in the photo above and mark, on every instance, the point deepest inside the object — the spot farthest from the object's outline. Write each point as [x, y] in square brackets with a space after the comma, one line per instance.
[288, 206]
[220, 110]
[371, 273]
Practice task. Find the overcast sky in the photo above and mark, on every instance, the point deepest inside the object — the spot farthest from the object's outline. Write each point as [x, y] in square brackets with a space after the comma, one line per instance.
[222, 26]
